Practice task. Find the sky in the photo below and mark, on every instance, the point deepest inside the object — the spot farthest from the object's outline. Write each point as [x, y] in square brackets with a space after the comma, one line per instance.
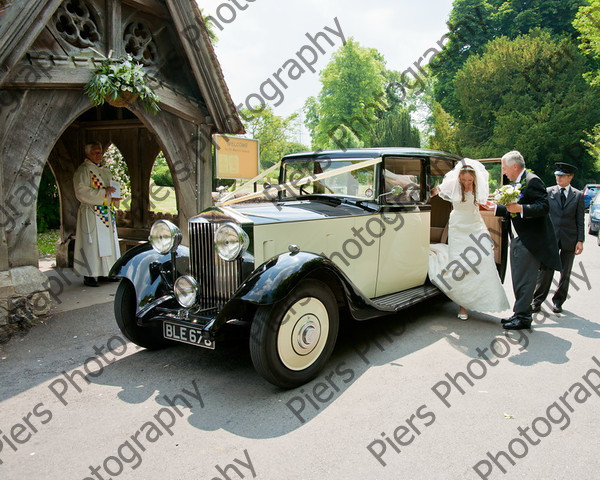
[258, 37]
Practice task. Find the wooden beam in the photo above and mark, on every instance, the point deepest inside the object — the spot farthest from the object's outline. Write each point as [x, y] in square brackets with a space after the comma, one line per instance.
[205, 66]
[21, 25]
[66, 76]
[109, 124]
[115, 36]
[152, 7]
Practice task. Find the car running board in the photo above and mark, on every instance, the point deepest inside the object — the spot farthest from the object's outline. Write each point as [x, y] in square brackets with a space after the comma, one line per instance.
[406, 298]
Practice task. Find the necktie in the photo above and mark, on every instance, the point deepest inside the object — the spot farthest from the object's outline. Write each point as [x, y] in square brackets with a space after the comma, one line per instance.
[563, 197]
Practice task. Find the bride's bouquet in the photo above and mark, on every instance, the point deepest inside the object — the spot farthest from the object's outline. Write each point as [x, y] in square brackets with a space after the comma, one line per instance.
[507, 194]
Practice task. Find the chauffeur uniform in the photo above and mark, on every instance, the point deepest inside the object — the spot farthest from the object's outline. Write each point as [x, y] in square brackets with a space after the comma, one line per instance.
[567, 215]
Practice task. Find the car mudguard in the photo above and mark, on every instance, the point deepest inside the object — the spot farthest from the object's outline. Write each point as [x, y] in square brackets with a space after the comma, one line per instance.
[142, 266]
[276, 278]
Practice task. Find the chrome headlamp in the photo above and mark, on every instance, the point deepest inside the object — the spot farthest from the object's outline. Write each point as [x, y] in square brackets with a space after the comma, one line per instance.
[231, 241]
[186, 291]
[164, 236]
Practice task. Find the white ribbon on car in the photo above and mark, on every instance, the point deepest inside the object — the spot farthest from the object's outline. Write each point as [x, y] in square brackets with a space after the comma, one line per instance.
[249, 182]
[304, 181]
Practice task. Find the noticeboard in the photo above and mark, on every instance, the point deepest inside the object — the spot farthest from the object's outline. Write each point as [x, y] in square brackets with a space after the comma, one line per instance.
[236, 157]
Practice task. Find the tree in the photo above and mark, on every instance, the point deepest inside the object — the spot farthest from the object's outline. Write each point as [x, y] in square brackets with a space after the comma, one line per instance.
[527, 94]
[352, 97]
[48, 204]
[395, 129]
[118, 168]
[587, 23]
[445, 131]
[361, 103]
[473, 23]
[274, 133]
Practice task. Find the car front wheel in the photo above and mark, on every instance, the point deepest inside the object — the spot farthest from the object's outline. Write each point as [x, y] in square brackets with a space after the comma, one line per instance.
[291, 341]
[125, 305]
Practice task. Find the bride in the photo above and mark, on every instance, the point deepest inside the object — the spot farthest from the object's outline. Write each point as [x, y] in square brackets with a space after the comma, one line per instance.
[451, 267]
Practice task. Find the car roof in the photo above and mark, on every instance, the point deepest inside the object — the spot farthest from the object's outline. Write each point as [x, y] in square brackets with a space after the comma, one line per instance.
[371, 153]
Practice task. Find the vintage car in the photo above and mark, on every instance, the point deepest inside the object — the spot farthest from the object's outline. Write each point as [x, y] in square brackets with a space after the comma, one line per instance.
[343, 231]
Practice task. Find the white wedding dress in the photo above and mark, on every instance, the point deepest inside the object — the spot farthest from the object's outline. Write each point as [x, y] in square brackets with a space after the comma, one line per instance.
[465, 269]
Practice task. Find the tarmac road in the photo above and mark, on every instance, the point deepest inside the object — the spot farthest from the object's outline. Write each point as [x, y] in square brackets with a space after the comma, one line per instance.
[409, 396]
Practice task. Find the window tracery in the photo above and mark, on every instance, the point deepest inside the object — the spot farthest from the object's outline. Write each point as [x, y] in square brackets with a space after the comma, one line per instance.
[139, 43]
[76, 24]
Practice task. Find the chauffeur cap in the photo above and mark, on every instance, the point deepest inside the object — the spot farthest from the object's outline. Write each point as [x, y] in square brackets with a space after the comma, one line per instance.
[564, 169]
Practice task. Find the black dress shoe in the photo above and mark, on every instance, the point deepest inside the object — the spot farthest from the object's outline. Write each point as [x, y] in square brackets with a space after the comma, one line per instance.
[557, 309]
[517, 324]
[90, 281]
[507, 320]
[535, 308]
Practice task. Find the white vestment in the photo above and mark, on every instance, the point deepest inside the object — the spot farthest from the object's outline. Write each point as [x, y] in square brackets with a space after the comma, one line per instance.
[96, 243]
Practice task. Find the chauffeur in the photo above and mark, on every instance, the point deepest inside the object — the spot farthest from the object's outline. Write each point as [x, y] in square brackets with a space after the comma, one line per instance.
[567, 215]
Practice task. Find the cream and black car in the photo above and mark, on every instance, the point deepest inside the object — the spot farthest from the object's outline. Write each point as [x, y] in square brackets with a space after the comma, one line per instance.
[343, 231]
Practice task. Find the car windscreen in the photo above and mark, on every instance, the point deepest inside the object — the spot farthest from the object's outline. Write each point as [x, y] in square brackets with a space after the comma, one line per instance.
[591, 190]
[345, 179]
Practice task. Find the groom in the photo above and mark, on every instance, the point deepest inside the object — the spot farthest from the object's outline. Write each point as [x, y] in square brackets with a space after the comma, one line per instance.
[535, 243]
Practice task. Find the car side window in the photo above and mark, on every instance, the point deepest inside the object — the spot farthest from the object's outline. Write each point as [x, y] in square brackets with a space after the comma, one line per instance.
[406, 173]
[438, 167]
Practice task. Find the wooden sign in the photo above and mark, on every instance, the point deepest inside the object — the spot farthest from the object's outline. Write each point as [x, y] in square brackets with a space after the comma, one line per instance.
[236, 157]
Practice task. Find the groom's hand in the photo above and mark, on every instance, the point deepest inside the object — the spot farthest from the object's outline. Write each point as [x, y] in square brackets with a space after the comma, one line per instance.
[514, 208]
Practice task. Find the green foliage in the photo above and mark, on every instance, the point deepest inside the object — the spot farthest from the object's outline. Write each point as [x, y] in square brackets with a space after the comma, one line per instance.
[445, 131]
[274, 134]
[395, 129]
[46, 242]
[587, 23]
[210, 27]
[161, 176]
[48, 204]
[527, 94]
[352, 98]
[592, 146]
[118, 168]
[473, 23]
[115, 77]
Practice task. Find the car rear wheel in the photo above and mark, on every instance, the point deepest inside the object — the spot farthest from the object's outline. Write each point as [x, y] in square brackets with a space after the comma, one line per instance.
[291, 341]
[149, 337]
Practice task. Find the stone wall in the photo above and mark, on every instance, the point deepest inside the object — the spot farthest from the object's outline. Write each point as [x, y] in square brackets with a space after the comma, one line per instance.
[24, 300]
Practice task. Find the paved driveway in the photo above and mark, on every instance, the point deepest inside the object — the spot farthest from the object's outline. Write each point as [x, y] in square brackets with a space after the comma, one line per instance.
[420, 395]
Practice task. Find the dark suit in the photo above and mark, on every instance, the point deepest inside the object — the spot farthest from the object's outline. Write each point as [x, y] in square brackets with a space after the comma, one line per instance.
[534, 245]
[569, 226]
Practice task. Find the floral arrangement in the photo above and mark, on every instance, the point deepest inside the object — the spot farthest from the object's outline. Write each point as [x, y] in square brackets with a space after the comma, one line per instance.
[508, 194]
[119, 79]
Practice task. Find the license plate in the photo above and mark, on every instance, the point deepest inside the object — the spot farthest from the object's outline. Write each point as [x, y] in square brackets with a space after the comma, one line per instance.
[189, 335]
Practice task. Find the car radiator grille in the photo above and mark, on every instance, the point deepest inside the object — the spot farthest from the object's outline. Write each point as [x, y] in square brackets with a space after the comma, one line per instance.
[218, 279]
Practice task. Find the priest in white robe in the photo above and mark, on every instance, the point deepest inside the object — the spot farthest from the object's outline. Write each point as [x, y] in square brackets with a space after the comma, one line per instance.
[96, 243]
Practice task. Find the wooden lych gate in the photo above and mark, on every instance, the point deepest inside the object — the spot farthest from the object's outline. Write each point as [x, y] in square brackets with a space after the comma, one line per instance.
[48, 50]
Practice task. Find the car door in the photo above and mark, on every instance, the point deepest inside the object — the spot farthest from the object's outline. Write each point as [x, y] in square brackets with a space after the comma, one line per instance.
[404, 243]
